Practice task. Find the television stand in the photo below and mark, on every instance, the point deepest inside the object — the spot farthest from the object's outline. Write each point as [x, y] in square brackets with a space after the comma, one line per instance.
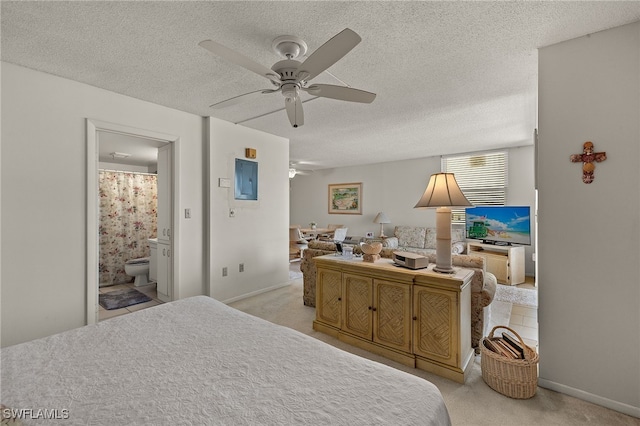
[503, 261]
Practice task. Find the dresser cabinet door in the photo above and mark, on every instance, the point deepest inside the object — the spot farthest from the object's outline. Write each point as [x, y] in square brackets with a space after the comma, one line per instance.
[163, 273]
[329, 296]
[164, 207]
[392, 314]
[499, 266]
[436, 325]
[357, 306]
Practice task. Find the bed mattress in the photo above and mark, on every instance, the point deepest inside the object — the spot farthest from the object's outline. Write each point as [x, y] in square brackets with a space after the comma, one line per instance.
[198, 361]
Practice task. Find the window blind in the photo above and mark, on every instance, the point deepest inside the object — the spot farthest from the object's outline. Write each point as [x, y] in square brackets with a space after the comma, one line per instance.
[481, 177]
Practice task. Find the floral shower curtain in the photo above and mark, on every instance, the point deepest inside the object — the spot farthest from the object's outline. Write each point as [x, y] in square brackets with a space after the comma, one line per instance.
[128, 214]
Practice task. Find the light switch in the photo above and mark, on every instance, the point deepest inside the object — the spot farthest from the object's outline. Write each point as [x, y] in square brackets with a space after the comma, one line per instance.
[224, 182]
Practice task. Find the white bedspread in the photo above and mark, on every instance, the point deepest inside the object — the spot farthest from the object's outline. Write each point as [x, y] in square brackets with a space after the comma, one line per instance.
[197, 361]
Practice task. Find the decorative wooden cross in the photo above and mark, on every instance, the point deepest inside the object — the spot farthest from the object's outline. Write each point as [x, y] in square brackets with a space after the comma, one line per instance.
[588, 157]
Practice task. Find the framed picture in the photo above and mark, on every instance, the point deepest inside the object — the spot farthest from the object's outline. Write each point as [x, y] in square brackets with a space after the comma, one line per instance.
[246, 180]
[345, 198]
[369, 235]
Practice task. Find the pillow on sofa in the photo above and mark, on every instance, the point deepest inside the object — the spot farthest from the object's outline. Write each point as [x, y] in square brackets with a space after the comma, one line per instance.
[410, 236]
[457, 235]
[458, 248]
[430, 241]
[390, 242]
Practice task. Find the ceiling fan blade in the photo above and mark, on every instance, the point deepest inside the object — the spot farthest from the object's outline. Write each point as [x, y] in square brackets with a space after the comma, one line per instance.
[270, 112]
[340, 92]
[241, 98]
[239, 59]
[328, 54]
[294, 111]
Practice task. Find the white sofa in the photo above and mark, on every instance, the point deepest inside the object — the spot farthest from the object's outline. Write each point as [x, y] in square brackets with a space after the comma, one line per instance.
[422, 240]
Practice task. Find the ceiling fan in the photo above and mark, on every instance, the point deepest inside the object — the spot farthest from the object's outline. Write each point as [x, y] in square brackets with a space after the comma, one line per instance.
[294, 170]
[290, 76]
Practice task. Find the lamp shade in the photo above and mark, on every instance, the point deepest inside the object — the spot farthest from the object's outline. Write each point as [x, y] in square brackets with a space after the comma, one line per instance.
[443, 191]
[381, 218]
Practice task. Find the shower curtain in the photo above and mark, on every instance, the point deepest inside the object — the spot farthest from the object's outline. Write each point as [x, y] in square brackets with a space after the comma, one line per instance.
[128, 212]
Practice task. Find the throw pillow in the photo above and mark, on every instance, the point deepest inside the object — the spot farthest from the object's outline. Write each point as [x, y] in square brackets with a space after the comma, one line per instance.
[458, 248]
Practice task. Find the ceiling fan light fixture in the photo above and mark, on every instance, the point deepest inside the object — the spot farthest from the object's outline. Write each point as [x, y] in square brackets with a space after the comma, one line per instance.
[119, 155]
[290, 91]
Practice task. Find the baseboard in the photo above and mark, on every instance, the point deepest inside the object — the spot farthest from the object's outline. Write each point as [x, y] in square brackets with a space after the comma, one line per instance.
[255, 293]
[589, 397]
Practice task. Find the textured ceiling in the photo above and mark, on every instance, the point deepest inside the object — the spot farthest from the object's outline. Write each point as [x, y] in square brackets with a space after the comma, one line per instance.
[450, 76]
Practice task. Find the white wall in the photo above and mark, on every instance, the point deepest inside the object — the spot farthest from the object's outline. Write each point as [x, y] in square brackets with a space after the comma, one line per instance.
[44, 203]
[589, 235]
[258, 235]
[392, 187]
[395, 187]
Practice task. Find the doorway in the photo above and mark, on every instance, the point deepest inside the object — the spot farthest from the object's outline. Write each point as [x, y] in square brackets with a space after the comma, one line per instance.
[137, 140]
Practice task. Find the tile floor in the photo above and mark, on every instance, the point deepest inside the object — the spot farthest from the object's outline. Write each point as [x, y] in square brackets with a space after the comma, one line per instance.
[524, 319]
[149, 290]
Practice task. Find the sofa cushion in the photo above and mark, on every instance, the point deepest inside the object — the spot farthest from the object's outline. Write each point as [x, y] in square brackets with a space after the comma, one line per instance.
[457, 235]
[411, 236]
[430, 238]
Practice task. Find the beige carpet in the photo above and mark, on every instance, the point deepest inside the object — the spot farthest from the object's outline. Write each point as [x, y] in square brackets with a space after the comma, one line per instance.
[473, 403]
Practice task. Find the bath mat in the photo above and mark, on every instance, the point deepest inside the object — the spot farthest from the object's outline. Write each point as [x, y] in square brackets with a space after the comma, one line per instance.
[122, 298]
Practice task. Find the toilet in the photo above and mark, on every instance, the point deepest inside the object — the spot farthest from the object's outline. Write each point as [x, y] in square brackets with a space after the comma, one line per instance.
[138, 268]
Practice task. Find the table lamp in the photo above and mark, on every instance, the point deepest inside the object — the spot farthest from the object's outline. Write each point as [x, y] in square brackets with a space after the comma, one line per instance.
[443, 193]
[381, 218]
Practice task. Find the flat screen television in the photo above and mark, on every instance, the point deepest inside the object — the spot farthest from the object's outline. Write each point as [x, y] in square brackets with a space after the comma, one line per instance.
[501, 225]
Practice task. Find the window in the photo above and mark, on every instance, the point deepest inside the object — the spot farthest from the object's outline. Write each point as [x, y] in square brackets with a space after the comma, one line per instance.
[482, 178]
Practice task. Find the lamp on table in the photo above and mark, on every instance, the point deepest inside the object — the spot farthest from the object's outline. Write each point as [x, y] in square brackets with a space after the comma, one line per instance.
[381, 218]
[443, 193]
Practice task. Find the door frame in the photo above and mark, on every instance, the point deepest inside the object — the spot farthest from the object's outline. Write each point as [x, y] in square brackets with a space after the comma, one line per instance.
[93, 127]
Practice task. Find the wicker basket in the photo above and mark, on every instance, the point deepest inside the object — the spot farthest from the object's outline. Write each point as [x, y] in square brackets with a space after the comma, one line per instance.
[515, 378]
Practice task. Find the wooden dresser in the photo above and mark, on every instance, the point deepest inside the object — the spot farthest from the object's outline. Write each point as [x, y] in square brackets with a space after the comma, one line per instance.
[419, 318]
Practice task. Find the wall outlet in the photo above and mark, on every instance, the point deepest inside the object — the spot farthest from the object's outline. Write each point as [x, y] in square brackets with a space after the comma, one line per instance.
[241, 267]
[187, 213]
[224, 271]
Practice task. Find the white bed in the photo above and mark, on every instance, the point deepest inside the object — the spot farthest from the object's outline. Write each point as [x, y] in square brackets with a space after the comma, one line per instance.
[197, 361]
